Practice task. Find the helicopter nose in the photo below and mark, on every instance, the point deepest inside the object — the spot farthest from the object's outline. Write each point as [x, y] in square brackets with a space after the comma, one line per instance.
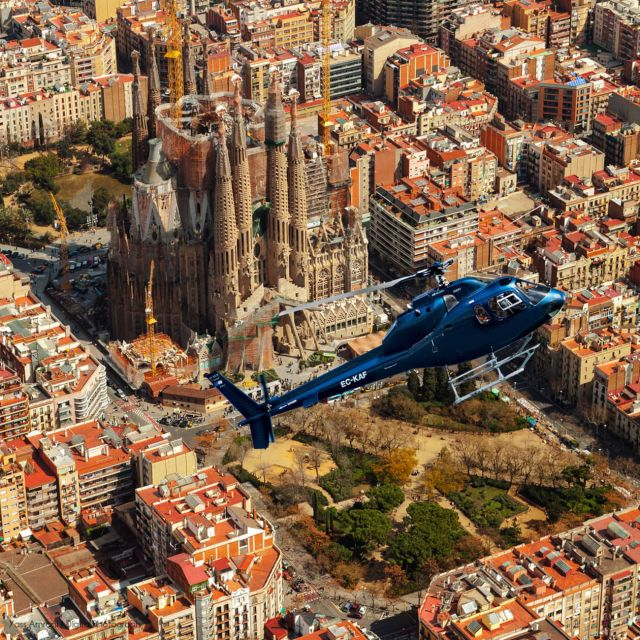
[555, 301]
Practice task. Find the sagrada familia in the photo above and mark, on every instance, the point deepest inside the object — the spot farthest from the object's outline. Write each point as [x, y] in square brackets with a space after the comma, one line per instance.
[231, 222]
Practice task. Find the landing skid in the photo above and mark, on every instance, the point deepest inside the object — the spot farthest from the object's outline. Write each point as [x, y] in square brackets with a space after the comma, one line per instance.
[494, 363]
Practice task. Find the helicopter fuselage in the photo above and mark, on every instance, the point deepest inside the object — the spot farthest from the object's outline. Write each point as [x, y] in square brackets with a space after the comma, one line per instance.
[463, 321]
[454, 323]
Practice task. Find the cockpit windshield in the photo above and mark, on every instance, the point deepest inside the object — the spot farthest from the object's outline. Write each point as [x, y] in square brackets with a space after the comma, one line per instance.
[505, 305]
[532, 291]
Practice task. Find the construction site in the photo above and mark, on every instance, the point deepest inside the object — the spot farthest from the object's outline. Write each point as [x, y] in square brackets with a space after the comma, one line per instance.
[234, 216]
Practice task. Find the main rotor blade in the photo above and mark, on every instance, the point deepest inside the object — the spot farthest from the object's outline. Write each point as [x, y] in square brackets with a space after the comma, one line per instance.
[343, 296]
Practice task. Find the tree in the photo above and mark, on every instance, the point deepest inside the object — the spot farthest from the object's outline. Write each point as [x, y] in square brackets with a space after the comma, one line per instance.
[39, 204]
[397, 466]
[102, 137]
[428, 389]
[385, 497]
[397, 403]
[469, 386]
[43, 169]
[100, 203]
[13, 181]
[317, 456]
[242, 445]
[121, 165]
[14, 224]
[430, 531]
[64, 150]
[301, 458]
[77, 132]
[413, 384]
[444, 475]
[364, 529]
[443, 393]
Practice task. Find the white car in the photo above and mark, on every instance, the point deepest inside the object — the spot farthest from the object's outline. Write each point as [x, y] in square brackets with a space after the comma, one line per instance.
[121, 394]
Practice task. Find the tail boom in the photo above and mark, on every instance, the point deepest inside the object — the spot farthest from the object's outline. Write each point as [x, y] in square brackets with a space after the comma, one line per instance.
[256, 415]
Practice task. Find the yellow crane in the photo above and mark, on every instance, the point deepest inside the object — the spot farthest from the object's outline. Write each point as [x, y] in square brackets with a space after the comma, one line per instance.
[174, 59]
[64, 246]
[325, 36]
[150, 320]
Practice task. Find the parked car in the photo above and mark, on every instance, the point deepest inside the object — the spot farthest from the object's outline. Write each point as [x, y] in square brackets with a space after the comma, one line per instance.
[346, 607]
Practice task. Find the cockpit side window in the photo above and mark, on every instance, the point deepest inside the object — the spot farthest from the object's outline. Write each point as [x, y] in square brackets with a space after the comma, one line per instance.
[449, 301]
[505, 305]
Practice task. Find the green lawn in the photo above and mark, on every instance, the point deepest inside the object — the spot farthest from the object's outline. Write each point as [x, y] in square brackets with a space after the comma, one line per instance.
[487, 506]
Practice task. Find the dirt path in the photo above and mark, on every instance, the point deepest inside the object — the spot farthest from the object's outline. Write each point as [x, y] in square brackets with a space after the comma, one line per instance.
[532, 514]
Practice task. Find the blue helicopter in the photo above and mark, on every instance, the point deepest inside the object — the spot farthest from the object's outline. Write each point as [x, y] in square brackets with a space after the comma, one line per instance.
[452, 323]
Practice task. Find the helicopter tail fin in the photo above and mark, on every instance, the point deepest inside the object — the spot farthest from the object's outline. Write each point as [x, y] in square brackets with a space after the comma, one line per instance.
[255, 415]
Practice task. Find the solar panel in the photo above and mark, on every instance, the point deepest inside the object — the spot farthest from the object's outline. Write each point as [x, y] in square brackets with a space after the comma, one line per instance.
[562, 567]
[474, 626]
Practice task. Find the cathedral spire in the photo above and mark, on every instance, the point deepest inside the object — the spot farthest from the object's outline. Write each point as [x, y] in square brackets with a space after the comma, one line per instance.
[139, 143]
[277, 188]
[242, 194]
[187, 61]
[224, 296]
[153, 84]
[297, 179]
[207, 89]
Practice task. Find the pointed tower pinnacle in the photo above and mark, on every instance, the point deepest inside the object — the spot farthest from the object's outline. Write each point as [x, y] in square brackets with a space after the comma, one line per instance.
[207, 88]
[139, 143]
[297, 202]
[153, 84]
[242, 194]
[224, 297]
[277, 189]
[187, 61]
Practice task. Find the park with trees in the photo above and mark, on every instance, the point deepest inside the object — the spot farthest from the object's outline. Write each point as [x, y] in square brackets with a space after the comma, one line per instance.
[378, 515]
[103, 146]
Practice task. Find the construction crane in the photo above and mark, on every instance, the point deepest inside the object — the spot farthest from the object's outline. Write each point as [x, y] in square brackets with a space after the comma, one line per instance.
[174, 60]
[64, 246]
[150, 320]
[325, 36]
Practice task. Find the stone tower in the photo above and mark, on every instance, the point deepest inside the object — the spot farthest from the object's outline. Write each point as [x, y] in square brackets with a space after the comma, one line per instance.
[242, 195]
[277, 190]
[224, 294]
[207, 89]
[188, 70]
[140, 138]
[297, 203]
[153, 85]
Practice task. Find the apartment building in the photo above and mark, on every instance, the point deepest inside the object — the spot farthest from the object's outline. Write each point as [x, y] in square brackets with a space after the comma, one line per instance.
[170, 613]
[409, 216]
[449, 98]
[206, 515]
[91, 466]
[410, 63]
[616, 28]
[233, 596]
[612, 189]
[532, 17]
[379, 45]
[162, 458]
[509, 142]
[572, 157]
[619, 140]
[584, 259]
[465, 22]
[579, 583]
[614, 389]
[458, 161]
[14, 406]
[13, 502]
[580, 355]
